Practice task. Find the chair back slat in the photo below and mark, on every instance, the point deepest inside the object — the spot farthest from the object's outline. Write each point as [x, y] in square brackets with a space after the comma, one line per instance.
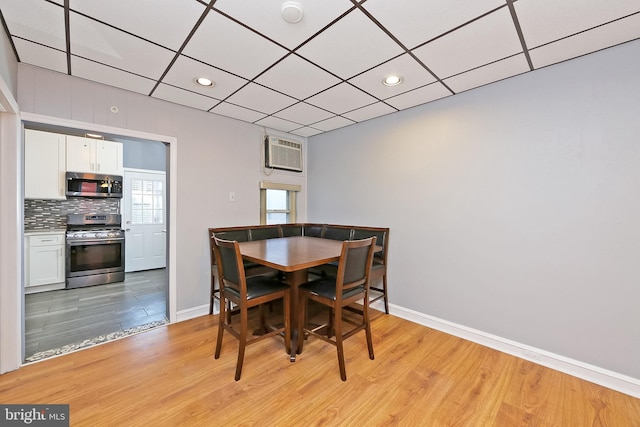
[264, 232]
[355, 263]
[289, 230]
[381, 240]
[230, 267]
[335, 232]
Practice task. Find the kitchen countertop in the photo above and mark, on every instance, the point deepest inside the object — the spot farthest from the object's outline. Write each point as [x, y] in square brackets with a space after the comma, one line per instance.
[50, 231]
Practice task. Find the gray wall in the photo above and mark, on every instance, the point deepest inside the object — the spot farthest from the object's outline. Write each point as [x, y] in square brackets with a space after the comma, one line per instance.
[151, 155]
[514, 208]
[215, 155]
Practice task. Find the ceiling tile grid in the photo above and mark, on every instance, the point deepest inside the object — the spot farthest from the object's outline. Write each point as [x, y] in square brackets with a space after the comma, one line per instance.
[324, 72]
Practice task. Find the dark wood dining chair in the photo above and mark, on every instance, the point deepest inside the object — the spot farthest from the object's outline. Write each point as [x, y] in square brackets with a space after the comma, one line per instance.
[240, 234]
[378, 283]
[350, 285]
[246, 293]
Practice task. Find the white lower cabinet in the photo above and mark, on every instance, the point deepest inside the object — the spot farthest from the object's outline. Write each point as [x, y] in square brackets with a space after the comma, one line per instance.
[44, 261]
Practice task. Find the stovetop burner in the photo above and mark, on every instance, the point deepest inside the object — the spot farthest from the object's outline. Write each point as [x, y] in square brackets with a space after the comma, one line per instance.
[94, 226]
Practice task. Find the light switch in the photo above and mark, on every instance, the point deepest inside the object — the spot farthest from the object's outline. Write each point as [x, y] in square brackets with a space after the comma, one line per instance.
[232, 196]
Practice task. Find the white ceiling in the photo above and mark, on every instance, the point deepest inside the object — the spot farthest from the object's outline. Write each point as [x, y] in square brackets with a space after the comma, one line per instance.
[322, 73]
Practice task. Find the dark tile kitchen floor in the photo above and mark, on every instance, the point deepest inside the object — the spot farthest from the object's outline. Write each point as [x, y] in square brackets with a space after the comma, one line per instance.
[55, 319]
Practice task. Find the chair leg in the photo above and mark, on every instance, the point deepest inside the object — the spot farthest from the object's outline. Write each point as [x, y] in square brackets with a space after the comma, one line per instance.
[263, 319]
[213, 292]
[244, 327]
[367, 330]
[339, 347]
[330, 323]
[386, 298]
[221, 320]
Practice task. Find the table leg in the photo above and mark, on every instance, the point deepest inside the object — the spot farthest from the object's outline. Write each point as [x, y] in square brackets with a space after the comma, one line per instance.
[295, 279]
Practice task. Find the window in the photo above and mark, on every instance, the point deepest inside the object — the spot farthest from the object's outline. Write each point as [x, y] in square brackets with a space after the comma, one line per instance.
[277, 203]
[147, 204]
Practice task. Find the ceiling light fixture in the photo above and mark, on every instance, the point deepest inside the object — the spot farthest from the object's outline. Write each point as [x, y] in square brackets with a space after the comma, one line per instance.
[392, 80]
[291, 12]
[203, 81]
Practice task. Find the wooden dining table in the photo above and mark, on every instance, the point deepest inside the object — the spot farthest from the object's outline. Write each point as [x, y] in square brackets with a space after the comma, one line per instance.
[293, 256]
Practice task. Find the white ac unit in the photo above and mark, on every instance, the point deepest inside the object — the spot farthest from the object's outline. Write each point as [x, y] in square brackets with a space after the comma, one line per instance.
[282, 154]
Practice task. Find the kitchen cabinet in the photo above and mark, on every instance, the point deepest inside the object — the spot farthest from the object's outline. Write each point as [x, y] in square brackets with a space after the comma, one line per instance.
[94, 156]
[44, 165]
[44, 261]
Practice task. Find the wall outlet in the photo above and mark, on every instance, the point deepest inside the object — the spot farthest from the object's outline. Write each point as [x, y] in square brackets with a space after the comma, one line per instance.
[232, 196]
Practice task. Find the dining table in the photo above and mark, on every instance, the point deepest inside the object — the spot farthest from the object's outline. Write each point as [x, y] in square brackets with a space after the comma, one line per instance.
[293, 256]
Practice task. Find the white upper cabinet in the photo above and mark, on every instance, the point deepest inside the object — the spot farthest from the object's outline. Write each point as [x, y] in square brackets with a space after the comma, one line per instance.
[44, 165]
[94, 156]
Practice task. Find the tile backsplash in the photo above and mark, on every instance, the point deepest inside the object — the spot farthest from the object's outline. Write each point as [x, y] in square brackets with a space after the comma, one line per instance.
[42, 214]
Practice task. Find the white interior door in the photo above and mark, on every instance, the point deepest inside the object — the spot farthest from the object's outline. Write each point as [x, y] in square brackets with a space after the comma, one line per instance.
[144, 215]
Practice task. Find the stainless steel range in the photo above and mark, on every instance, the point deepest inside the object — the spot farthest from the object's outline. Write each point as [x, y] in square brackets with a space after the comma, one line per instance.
[95, 249]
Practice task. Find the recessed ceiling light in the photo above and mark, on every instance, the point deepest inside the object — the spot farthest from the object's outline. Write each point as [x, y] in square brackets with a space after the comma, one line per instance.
[291, 12]
[203, 81]
[392, 80]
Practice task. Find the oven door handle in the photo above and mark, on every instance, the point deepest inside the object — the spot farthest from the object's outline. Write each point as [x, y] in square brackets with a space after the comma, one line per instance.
[94, 241]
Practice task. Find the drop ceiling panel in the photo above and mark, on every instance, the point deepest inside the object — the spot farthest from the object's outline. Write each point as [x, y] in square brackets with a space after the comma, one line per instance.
[45, 27]
[419, 96]
[544, 21]
[110, 76]
[277, 123]
[41, 56]
[150, 19]
[237, 112]
[297, 77]
[415, 22]
[183, 97]
[303, 113]
[185, 70]
[370, 111]
[413, 73]
[473, 45]
[350, 46]
[265, 17]
[261, 99]
[341, 98]
[488, 74]
[232, 47]
[306, 131]
[106, 45]
[333, 60]
[333, 123]
[589, 41]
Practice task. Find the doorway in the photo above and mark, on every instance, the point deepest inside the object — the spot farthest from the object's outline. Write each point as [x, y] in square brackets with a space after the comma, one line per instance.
[146, 298]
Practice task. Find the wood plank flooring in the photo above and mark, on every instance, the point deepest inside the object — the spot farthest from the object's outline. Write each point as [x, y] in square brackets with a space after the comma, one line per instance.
[57, 318]
[420, 377]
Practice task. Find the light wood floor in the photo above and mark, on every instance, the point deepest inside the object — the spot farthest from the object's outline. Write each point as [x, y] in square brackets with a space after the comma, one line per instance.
[420, 377]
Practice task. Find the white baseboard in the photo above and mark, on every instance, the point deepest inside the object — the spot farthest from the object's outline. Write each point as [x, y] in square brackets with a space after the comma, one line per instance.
[576, 368]
[192, 312]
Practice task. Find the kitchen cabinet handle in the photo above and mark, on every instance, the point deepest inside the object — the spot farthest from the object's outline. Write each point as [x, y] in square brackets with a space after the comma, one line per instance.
[47, 240]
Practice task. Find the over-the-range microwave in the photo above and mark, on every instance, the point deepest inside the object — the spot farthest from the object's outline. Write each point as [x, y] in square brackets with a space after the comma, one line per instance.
[81, 184]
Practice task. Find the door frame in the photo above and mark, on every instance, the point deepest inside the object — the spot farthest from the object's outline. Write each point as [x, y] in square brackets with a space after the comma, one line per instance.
[172, 166]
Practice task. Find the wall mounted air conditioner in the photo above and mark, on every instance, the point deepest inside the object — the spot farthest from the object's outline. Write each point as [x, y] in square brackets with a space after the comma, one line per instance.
[282, 154]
